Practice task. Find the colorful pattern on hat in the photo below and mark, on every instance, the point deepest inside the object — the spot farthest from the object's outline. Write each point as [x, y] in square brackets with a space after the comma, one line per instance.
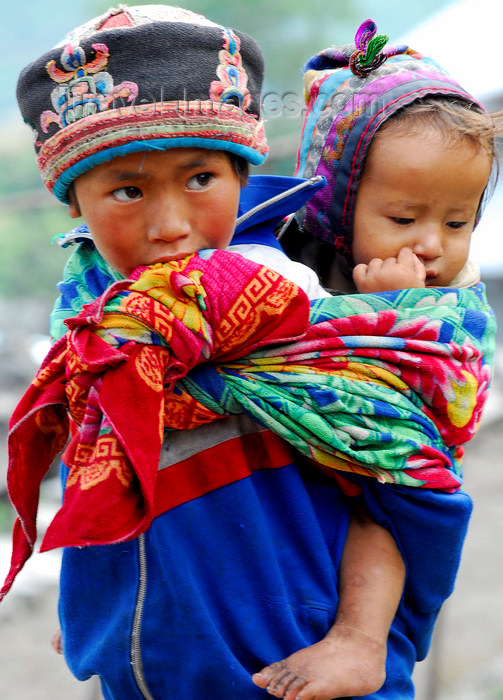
[350, 92]
[141, 78]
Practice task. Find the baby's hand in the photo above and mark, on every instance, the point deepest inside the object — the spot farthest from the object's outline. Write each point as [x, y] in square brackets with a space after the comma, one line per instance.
[405, 271]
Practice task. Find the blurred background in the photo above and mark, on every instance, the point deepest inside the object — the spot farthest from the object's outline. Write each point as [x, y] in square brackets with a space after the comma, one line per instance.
[466, 661]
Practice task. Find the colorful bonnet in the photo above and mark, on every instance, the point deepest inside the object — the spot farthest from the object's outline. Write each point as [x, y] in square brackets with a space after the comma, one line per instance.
[350, 92]
[141, 78]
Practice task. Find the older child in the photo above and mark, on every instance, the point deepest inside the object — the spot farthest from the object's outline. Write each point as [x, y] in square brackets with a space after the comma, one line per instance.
[186, 575]
[408, 157]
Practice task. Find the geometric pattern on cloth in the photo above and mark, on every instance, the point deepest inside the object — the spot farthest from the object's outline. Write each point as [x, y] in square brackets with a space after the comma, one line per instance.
[387, 385]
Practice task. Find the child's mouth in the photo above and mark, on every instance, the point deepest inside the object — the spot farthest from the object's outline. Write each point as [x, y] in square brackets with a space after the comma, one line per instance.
[171, 258]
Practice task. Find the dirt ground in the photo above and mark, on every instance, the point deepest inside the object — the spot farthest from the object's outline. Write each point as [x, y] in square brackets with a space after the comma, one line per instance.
[466, 661]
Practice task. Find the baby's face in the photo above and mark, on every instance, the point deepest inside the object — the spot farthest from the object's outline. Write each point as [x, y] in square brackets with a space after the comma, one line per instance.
[418, 192]
[157, 206]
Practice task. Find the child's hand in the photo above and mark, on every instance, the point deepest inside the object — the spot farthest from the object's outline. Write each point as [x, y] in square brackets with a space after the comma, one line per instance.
[405, 271]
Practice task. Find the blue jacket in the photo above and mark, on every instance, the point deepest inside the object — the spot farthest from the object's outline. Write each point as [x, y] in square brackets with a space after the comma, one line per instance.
[240, 568]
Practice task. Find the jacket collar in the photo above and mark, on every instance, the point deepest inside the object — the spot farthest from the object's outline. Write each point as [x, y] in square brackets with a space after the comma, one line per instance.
[265, 201]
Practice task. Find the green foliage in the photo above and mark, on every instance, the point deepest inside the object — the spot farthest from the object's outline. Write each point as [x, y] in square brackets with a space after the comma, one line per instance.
[21, 172]
[6, 517]
[31, 266]
[29, 218]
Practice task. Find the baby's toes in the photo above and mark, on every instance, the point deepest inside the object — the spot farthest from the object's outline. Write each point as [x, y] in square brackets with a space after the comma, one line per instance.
[286, 685]
[296, 690]
[269, 674]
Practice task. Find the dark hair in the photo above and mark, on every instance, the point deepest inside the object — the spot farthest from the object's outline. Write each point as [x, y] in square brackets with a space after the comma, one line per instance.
[241, 167]
[452, 118]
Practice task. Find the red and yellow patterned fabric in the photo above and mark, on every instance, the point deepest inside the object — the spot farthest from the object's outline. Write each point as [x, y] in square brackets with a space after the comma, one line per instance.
[117, 391]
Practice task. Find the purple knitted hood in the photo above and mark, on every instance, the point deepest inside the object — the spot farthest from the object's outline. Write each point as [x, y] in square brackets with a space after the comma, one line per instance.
[350, 92]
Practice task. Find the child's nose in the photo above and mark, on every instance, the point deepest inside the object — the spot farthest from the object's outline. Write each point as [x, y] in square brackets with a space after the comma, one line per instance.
[429, 243]
[169, 221]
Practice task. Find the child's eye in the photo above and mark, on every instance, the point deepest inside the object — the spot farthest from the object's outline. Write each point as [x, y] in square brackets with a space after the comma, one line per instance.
[200, 181]
[456, 224]
[402, 221]
[126, 194]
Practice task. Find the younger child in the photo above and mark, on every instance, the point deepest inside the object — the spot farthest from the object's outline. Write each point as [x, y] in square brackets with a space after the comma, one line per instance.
[408, 156]
[377, 120]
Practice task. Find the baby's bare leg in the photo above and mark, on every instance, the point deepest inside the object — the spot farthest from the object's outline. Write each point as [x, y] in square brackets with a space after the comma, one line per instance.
[351, 659]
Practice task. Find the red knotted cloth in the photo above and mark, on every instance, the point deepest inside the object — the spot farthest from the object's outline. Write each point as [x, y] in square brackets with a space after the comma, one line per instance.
[219, 307]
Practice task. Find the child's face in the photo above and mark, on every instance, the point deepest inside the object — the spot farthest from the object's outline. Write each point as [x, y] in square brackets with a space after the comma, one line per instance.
[417, 192]
[153, 207]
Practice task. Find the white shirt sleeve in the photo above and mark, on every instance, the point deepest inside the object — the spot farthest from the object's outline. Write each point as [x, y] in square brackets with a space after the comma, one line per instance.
[277, 260]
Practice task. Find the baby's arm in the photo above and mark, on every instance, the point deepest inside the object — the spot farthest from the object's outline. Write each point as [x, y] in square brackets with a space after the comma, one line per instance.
[350, 660]
[405, 271]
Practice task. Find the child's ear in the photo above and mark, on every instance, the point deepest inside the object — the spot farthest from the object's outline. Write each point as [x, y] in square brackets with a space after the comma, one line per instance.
[74, 210]
[73, 205]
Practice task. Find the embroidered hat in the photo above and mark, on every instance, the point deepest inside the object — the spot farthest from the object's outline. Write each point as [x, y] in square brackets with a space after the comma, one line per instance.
[350, 91]
[140, 78]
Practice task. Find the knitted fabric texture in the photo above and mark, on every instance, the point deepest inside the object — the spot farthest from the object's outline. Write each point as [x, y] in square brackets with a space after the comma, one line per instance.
[140, 78]
[350, 92]
[387, 385]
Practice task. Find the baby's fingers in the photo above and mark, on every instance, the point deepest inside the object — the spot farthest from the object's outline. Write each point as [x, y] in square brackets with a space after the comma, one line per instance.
[409, 259]
[362, 271]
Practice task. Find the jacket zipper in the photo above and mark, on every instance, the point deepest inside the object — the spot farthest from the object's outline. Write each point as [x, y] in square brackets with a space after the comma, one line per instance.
[278, 198]
[136, 662]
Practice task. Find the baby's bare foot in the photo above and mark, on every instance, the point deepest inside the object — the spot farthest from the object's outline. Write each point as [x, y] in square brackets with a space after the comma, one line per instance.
[345, 663]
